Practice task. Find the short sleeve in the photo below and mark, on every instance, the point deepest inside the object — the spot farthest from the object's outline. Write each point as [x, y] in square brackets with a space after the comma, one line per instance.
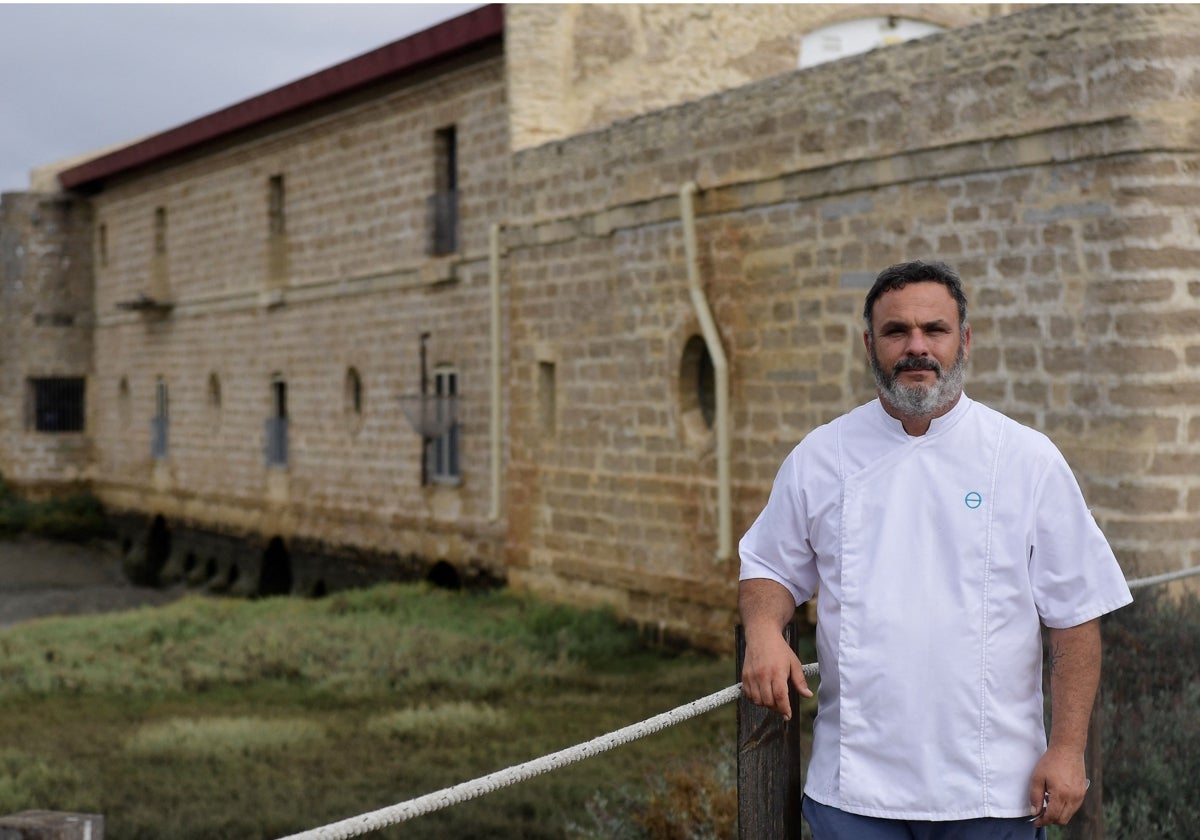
[777, 546]
[1072, 569]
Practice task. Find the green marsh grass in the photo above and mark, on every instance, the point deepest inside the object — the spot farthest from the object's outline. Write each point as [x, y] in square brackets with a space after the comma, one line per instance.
[213, 718]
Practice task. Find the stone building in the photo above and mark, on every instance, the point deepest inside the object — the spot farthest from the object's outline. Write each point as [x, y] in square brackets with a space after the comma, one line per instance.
[650, 293]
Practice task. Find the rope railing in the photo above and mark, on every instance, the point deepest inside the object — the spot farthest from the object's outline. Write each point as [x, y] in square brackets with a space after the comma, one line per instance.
[1166, 577]
[465, 791]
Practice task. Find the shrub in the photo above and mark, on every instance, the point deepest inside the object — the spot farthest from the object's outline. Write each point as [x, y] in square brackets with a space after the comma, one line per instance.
[78, 517]
[1151, 722]
[690, 800]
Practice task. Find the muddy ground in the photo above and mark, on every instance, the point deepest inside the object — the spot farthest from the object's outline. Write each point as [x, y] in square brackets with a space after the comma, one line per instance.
[41, 577]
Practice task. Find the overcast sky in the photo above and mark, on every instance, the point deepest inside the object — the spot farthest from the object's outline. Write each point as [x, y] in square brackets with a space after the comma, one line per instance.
[77, 78]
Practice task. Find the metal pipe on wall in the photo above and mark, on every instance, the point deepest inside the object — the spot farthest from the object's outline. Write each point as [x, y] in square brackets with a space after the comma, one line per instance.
[496, 430]
[712, 340]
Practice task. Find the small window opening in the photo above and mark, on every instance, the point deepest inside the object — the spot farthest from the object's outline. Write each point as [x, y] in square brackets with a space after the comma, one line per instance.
[853, 37]
[442, 451]
[547, 399]
[276, 218]
[443, 204]
[697, 388]
[124, 403]
[56, 404]
[213, 400]
[160, 423]
[353, 399]
[277, 424]
[102, 244]
[277, 244]
[160, 230]
[159, 278]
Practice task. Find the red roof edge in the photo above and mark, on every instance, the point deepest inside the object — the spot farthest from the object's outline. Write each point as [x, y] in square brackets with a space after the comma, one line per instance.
[473, 29]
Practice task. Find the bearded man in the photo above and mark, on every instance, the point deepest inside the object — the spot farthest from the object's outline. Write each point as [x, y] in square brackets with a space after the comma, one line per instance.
[943, 536]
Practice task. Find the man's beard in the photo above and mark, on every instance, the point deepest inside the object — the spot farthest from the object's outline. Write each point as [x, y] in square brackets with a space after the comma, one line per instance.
[920, 400]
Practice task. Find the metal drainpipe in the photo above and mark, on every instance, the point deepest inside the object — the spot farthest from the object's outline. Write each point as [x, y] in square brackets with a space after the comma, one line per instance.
[494, 283]
[712, 339]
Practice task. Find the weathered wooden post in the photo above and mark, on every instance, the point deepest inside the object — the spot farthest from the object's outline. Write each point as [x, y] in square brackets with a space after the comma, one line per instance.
[1088, 822]
[770, 764]
[51, 825]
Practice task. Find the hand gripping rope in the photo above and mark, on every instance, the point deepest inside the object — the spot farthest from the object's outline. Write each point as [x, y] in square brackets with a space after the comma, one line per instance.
[354, 826]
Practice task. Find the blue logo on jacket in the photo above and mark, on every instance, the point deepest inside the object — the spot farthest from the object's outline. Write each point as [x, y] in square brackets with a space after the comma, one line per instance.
[973, 500]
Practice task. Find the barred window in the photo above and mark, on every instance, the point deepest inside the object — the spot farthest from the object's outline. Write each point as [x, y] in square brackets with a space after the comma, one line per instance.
[57, 404]
[160, 424]
[442, 452]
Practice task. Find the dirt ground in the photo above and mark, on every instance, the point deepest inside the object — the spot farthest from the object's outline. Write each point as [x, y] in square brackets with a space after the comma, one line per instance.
[41, 577]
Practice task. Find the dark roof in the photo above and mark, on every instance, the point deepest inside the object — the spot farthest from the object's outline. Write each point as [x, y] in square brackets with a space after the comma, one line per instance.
[447, 39]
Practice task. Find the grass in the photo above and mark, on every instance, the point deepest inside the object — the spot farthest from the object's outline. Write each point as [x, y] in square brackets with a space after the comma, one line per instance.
[216, 718]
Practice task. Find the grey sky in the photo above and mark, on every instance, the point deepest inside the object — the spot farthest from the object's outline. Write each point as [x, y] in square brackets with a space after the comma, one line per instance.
[81, 77]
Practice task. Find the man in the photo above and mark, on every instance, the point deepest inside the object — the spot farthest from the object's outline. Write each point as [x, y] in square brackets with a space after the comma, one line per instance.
[942, 536]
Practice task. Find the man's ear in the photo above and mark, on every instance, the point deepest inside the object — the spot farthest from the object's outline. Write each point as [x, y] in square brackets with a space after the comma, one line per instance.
[966, 341]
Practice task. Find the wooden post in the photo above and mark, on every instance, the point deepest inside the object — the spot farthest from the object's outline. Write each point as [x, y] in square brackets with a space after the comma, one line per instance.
[51, 825]
[1088, 822]
[770, 765]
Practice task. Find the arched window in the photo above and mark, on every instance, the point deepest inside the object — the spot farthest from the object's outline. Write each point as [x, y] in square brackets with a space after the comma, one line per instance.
[851, 37]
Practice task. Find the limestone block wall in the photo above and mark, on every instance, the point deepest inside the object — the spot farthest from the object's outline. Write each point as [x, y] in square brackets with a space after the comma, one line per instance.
[577, 67]
[1051, 156]
[45, 331]
[350, 299]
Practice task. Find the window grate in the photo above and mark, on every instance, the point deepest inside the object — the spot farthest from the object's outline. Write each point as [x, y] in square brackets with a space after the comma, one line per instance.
[57, 404]
[276, 433]
[442, 451]
[159, 429]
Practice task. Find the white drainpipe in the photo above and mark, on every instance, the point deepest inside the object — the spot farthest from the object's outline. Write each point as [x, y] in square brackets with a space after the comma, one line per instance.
[712, 339]
[494, 283]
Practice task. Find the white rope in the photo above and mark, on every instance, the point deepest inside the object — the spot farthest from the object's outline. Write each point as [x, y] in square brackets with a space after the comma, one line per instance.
[376, 820]
[1166, 577]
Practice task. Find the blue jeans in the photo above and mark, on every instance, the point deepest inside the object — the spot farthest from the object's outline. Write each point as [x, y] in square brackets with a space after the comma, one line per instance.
[832, 824]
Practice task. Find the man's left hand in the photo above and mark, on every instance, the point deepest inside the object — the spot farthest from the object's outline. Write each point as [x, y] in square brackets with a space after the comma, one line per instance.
[1061, 774]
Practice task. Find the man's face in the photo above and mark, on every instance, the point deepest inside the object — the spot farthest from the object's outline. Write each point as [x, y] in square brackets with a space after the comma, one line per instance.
[916, 350]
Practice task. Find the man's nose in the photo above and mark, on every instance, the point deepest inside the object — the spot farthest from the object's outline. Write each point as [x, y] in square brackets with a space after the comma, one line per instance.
[917, 344]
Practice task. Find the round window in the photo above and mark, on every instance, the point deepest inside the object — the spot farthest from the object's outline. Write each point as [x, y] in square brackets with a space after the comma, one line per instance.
[697, 388]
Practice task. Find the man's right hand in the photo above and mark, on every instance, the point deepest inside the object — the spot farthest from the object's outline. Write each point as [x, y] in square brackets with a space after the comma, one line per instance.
[769, 666]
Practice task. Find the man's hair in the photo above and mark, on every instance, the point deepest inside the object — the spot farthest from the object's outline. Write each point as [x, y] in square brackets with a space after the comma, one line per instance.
[901, 274]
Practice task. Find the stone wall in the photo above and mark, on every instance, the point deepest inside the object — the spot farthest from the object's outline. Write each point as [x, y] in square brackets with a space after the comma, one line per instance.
[579, 67]
[345, 288]
[1053, 156]
[45, 331]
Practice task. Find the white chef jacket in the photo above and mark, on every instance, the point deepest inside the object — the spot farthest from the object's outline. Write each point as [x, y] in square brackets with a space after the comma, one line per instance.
[937, 557]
